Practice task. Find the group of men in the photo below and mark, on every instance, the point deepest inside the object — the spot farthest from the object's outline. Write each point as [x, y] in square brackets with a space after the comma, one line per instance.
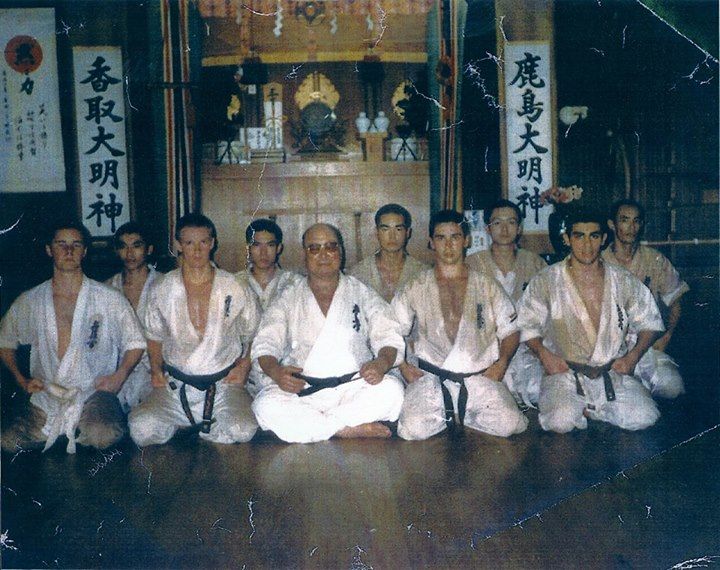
[329, 354]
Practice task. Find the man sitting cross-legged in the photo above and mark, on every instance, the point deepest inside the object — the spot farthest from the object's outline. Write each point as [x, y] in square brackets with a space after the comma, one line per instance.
[327, 344]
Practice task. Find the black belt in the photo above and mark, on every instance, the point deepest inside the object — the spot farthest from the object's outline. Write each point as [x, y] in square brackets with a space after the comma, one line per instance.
[317, 384]
[593, 372]
[204, 382]
[458, 378]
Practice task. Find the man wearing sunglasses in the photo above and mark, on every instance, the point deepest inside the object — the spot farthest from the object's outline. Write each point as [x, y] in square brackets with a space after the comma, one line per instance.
[325, 346]
[84, 341]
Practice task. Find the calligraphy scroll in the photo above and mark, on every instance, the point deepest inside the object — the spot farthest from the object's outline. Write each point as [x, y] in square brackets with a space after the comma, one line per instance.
[102, 151]
[31, 150]
[529, 129]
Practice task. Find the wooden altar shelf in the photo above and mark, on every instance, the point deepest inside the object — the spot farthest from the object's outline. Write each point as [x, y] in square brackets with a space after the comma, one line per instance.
[298, 194]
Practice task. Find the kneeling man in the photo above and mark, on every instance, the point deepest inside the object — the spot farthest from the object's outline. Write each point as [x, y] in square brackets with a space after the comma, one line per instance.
[466, 337]
[84, 341]
[264, 243]
[199, 323]
[513, 267]
[656, 369]
[316, 344]
[134, 281]
[575, 316]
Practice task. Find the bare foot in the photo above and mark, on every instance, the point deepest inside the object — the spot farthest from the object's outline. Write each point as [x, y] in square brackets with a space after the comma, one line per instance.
[373, 429]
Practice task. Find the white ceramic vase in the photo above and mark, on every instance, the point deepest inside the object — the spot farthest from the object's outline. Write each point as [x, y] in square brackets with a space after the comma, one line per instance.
[381, 122]
[362, 122]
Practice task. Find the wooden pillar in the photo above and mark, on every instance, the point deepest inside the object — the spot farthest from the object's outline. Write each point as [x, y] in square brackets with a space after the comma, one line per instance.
[526, 21]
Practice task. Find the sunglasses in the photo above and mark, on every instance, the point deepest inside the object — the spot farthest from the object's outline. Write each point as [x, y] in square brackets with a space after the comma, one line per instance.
[316, 248]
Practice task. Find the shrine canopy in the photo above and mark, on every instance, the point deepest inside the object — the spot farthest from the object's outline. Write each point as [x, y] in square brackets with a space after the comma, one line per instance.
[230, 8]
[298, 31]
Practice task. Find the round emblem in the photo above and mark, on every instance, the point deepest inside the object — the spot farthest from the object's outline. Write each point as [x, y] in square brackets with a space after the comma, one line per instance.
[23, 54]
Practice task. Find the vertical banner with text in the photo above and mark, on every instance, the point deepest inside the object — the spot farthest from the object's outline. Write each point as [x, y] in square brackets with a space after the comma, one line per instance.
[102, 150]
[529, 132]
[31, 149]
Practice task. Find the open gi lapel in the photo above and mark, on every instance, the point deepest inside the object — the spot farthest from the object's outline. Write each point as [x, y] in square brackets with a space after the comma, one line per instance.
[71, 370]
[458, 360]
[331, 354]
[577, 305]
[607, 318]
[213, 327]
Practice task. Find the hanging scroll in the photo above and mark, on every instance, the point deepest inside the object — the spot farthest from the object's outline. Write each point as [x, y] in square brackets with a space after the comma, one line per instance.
[31, 151]
[102, 152]
[529, 130]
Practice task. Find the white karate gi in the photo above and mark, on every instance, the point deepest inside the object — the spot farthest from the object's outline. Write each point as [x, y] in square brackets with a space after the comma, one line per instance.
[138, 385]
[367, 271]
[233, 315]
[104, 327]
[525, 371]
[658, 372]
[294, 330]
[553, 310]
[280, 281]
[488, 317]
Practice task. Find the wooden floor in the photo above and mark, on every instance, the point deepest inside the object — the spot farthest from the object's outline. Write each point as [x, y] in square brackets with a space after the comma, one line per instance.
[600, 498]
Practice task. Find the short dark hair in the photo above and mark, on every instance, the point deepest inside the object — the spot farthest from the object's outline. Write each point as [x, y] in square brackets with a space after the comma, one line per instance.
[585, 216]
[615, 208]
[487, 212]
[338, 237]
[197, 221]
[68, 225]
[130, 228]
[448, 217]
[262, 225]
[394, 209]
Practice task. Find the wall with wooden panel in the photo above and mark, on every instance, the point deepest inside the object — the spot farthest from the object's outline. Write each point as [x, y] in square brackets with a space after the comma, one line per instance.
[345, 194]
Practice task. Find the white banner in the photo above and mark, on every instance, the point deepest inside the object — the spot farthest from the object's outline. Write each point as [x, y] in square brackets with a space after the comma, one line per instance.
[31, 151]
[102, 151]
[529, 129]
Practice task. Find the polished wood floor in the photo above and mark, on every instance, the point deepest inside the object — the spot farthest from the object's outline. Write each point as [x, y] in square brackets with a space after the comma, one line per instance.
[602, 498]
